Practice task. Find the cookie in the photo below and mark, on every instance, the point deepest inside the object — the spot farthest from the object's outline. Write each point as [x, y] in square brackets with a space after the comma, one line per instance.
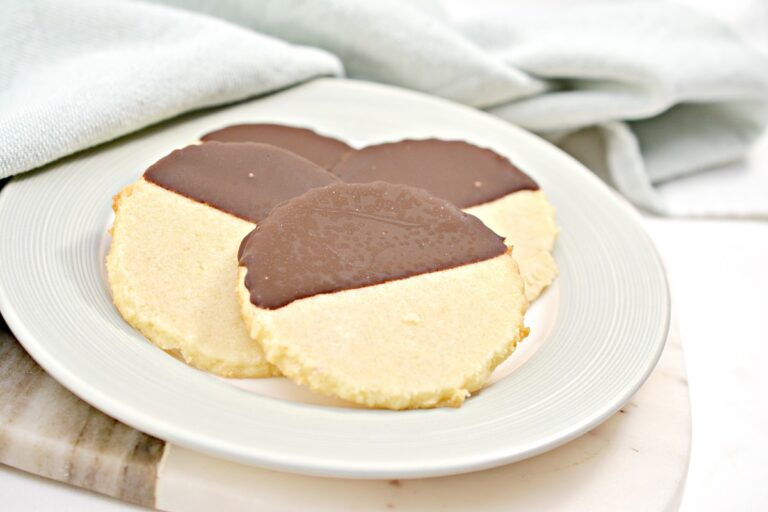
[477, 180]
[322, 150]
[173, 260]
[381, 294]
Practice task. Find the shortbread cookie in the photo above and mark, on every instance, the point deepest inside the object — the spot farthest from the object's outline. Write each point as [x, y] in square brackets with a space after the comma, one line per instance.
[381, 294]
[323, 150]
[173, 261]
[480, 182]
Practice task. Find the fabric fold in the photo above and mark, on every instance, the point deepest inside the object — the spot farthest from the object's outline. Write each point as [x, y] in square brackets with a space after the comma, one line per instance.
[76, 74]
[672, 91]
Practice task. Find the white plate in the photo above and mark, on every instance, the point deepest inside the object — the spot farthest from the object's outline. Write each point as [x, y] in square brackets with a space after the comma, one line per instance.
[596, 334]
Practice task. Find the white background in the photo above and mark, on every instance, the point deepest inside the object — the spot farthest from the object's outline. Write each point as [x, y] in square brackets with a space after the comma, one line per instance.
[718, 272]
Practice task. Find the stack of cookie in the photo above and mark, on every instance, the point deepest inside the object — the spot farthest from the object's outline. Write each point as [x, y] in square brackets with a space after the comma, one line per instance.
[393, 276]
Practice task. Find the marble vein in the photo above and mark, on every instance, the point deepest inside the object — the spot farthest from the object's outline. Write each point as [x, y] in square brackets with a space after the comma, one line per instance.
[46, 430]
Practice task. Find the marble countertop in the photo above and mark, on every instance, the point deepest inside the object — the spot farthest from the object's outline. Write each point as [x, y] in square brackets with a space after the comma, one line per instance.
[48, 431]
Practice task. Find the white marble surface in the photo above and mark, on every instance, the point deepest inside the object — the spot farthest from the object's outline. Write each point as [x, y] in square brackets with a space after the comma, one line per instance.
[718, 272]
[48, 431]
[635, 461]
[24, 492]
[647, 443]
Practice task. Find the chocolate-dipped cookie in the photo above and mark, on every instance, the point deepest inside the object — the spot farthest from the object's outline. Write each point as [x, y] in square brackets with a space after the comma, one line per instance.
[381, 294]
[173, 260]
[322, 150]
[477, 180]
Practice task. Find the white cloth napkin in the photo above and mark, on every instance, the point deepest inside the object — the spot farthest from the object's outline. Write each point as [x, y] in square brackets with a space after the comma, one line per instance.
[671, 91]
[78, 73]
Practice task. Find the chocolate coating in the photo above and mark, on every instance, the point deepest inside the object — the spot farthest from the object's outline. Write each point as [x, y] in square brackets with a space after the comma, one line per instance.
[354, 235]
[462, 173]
[244, 179]
[320, 149]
